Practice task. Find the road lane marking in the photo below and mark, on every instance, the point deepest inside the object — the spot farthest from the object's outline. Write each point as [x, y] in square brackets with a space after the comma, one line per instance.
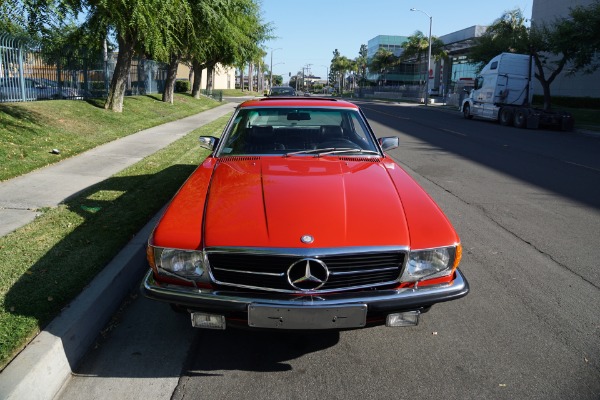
[581, 165]
[454, 132]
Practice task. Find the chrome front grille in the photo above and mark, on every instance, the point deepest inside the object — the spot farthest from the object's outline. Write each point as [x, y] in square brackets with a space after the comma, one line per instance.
[269, 272]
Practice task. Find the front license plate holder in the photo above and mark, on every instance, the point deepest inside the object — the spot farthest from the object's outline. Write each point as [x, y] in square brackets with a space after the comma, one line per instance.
[274, 317]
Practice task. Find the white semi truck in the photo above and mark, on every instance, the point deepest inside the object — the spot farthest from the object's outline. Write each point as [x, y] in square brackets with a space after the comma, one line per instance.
[502, 92]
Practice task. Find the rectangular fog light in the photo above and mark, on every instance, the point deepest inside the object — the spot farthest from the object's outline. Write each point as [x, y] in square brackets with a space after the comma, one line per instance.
[208, 321]
[409, 318]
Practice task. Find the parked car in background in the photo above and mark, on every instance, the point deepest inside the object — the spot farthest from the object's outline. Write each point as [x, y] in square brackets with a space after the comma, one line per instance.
[49, 89]
[36, 89]
[298, 219]
[282, 91]
[11, 90]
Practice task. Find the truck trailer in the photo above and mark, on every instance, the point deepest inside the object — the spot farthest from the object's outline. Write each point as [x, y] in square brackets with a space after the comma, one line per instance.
[502, 92]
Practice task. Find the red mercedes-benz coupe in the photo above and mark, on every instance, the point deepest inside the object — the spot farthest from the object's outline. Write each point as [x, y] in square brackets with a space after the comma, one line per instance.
[299, 220]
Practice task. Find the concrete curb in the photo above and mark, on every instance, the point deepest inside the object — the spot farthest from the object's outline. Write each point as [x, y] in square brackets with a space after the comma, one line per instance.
[46, 364]
[40, 370]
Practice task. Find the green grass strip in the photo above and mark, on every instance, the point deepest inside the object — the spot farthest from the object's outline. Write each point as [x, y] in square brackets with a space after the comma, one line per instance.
[46, 263]
[30, 131]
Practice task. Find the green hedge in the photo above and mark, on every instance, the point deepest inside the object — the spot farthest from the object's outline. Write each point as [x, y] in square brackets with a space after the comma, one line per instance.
[182, 86]
[570, 102]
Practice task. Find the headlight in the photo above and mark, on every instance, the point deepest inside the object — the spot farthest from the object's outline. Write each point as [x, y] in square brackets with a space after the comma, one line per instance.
[431, 263]
[186, 264]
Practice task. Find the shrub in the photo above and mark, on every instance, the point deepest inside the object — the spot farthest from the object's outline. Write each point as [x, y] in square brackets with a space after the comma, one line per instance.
[182, 86]
[570, 102]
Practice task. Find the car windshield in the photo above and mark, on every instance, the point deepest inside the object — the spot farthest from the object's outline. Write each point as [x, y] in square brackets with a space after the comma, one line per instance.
[282, 91]
[295, 131]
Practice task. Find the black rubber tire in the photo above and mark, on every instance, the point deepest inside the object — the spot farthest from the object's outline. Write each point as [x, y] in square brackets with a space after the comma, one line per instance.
[520, 119]
[467, 111]
[505, 116]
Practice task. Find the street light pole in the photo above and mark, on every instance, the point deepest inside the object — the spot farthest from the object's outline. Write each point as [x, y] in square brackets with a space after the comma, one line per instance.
[271, 67]
[428, 56]
[326, 77]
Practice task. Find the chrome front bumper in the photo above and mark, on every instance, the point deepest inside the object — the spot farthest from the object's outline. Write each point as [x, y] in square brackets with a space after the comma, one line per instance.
[379, 302]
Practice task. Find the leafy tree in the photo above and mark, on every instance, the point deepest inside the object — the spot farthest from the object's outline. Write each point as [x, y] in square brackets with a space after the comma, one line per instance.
[333, 73]
[140, 26]
[382, 62]
[201, 33]
[507, 34]
[12, 18]
[416, 48]
[570, 43]
[586, 21]
[362, 63]
[294, 79]
[340, 65]
[240, 36]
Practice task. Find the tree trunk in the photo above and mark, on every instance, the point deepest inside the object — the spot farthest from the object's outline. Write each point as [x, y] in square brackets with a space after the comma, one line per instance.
[250, 77]
[197, 85]
[167, 96]
[242, 77]
[541, 76]
[114, 102]
[258, 80]
[209, 77]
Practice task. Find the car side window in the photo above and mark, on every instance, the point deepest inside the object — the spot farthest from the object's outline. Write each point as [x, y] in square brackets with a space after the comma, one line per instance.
[359, 130]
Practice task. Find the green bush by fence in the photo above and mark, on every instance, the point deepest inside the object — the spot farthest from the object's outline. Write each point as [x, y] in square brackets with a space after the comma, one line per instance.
[571, 102]
[182, 86]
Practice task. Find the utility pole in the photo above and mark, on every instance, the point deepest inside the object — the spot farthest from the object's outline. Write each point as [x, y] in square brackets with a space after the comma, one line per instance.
[271, 68]
[428, 56]
[307, 67]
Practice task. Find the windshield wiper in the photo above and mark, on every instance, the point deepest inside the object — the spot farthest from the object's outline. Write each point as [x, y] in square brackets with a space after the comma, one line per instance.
[332, 150]
[308, 151]
[348, 150]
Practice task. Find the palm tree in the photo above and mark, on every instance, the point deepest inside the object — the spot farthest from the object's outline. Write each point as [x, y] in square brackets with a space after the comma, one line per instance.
[383, 61]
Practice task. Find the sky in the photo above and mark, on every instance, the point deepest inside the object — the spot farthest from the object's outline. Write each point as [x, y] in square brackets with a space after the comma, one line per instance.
[308, 31]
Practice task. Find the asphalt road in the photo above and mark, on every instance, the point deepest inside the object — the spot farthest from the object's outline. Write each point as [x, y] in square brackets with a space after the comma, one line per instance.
[527, 207]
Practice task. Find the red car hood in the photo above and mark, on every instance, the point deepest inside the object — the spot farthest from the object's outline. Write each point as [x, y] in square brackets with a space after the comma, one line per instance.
[274, 201]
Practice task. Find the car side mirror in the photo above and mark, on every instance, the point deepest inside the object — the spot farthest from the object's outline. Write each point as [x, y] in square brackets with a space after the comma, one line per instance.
[208, 142]
[388, 143]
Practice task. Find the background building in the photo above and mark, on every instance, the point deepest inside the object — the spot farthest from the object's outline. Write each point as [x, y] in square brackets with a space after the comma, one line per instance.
[577, 85]
[223, 77]
[451, 76]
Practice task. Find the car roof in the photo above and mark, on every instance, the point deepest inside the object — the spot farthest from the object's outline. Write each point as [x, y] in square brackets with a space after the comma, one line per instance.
[298, 102]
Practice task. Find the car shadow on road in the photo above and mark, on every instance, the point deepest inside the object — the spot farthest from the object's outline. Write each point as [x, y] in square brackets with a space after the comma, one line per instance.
[256, 351]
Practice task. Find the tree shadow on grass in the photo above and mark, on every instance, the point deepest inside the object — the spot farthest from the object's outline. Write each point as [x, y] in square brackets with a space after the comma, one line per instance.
[113, 211]
[18, 118]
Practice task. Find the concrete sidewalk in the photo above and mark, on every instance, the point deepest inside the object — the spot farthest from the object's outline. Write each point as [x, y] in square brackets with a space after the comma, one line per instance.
[21, 197]
[42, 368]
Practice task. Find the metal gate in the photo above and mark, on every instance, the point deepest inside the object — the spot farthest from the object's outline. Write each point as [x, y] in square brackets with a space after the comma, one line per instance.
[28, 74]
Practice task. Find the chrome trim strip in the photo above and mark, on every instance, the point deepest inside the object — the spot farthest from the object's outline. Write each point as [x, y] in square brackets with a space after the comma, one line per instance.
[307, 252]
[313, 253]
[316, 292]
[172, 293]
[250, 272]
[365, 271]
[353, 272]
